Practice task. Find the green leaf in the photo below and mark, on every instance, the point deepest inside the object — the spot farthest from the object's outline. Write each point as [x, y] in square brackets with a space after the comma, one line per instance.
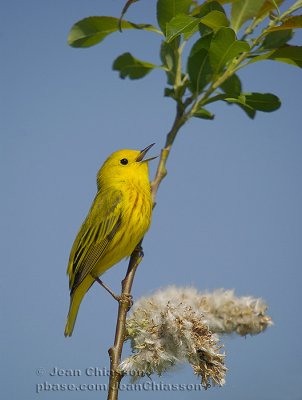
[202, 43]
[167, 9]
[232, 86]
[132, 67]
[169, 57]
[126, 7]
[199, 70]
[287, 54]
[288, 23]
[238, 100]
[243, 10]
[92, 30]
[225, 47]
[225, 1]
[276, 39]
[269, 6]
[206, 7]
[250, 111]
[265, 102]
[203, 114]
[168, 92]
[250, 102]
[181, 24]
[199, 67]
[215, 20]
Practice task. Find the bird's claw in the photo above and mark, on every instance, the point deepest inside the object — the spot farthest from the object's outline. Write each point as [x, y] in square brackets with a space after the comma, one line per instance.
[126, 298]
[139, 251]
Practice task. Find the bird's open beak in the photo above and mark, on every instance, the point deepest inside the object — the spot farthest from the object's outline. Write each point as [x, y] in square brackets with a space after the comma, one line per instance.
[143, 152]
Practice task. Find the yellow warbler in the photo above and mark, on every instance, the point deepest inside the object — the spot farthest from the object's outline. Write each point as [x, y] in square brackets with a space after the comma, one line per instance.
[119, 217]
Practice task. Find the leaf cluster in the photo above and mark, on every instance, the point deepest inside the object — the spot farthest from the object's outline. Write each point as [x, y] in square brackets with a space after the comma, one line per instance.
[222, 39]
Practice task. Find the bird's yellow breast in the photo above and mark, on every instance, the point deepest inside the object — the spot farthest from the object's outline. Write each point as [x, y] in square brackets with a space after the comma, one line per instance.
[136, 211]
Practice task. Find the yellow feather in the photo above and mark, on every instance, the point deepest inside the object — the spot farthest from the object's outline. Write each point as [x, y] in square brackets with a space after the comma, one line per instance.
[118, 219]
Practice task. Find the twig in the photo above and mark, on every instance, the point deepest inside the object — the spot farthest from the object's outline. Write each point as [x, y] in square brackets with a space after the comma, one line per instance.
[161, 172]
[125, 303]
[125, 299]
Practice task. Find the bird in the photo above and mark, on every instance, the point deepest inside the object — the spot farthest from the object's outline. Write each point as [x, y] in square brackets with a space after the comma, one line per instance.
[118, 219]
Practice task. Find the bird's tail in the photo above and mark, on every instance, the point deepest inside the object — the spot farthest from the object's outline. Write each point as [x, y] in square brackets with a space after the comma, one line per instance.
[75, 301]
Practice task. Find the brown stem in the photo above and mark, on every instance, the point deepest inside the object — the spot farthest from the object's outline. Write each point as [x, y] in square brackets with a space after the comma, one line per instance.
[125, 303]
[161, 172]
[125, 299]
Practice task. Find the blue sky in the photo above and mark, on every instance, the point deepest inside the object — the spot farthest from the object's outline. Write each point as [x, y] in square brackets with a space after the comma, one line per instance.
[228, 213]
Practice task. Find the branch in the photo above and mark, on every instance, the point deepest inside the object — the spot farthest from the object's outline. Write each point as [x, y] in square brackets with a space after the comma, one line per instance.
[181, 117]
[125, 301]
[180, 120]
[124, 305]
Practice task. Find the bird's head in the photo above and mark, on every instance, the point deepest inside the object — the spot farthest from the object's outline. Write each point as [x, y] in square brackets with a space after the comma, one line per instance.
[125, 165]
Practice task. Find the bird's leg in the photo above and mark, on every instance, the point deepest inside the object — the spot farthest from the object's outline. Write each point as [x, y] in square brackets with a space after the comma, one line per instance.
[137, 255]
[139, 251]
[115, 296]
[124, 298]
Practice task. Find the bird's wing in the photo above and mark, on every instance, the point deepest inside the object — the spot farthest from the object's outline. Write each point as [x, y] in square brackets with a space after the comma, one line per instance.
[97, 231]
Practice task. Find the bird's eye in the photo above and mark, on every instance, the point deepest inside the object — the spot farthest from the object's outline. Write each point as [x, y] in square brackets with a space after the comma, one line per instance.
[124, 161]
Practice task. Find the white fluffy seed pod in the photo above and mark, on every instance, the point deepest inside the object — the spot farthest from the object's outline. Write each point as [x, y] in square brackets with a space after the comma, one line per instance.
[177, 325]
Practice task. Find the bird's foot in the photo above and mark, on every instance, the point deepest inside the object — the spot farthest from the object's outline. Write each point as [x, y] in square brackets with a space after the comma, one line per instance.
[127, 299]
[139, 252]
